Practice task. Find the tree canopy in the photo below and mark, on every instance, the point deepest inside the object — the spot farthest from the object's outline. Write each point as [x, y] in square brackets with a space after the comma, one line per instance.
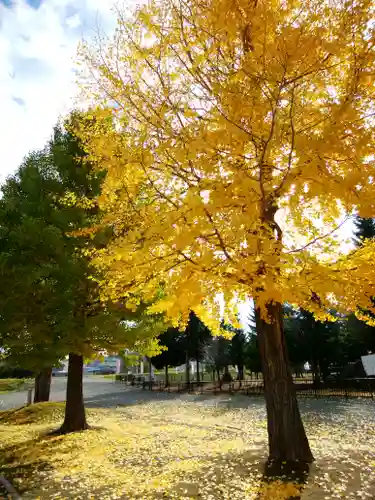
[49, 303]
[234, 137]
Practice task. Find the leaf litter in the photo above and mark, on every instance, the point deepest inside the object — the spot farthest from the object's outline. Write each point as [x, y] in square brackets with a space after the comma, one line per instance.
[178, 450]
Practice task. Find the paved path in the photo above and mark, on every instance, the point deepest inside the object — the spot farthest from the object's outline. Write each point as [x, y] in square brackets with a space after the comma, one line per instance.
[93, 386]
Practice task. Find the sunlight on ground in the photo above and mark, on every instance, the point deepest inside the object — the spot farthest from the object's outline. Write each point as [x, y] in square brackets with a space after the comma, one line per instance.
[174, 450]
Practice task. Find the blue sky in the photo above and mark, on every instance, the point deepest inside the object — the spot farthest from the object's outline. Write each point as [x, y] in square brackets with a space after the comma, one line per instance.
[38, 44]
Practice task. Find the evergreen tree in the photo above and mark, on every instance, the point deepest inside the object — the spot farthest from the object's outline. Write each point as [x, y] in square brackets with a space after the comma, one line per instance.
[197, 336]
[364, 228]
[49, 302]
[360, 337]
[174, 354]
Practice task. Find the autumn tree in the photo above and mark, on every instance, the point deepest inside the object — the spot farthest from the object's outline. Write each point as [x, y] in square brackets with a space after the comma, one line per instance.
[237, 136]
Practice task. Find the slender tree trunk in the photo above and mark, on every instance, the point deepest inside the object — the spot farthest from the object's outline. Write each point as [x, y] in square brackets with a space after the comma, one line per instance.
[75, 418]
[324, 370]
[150, 372]
[218, 377]
[315, 372]
[166, 376]
[42, 385]
[240, 374]
[198, 374]
[286, 434]
[187, 368]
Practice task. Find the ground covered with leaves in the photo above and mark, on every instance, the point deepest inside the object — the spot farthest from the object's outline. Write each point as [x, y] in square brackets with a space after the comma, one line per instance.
[181, 449]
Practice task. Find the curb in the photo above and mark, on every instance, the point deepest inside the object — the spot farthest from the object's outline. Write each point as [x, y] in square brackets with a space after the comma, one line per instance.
[7, 485]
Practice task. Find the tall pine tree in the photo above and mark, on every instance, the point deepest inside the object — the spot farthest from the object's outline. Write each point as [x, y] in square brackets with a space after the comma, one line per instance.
[50, 305]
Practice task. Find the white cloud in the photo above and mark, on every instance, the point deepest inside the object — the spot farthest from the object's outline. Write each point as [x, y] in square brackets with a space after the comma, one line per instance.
[37, 83]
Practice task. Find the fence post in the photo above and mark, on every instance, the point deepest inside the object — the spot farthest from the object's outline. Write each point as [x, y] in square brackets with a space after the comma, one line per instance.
[29, 397]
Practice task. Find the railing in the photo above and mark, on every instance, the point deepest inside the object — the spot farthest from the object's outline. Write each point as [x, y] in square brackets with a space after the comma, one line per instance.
[359, 387]
[338, 388]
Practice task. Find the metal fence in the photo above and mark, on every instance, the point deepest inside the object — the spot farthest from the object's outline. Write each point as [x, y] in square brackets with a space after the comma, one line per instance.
[339, 388]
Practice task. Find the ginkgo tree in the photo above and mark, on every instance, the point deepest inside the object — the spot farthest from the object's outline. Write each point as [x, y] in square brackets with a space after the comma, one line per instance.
[237, 135]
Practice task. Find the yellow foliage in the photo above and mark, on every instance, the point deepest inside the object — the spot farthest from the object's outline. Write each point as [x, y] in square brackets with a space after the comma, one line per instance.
[164, 448]
[234, 135]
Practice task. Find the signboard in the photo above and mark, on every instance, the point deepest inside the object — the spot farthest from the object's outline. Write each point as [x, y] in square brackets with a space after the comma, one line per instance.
[369, 364]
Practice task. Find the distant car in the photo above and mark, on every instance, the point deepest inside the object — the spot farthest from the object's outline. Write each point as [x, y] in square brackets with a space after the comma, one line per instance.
[104, 370]
[57, 372]
[89, 369]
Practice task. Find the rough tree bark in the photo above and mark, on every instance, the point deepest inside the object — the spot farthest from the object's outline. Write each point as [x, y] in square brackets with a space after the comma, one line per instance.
[42, 385]
[286, 433]
[75, 417]
[198, 374]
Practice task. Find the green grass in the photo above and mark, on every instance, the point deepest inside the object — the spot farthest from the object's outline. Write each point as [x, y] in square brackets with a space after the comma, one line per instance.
[14, 384]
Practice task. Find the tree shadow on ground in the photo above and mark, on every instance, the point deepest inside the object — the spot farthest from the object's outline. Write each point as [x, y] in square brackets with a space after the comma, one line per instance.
[335, 410]
[27, 460]
[219, 476]
[260, 479]
[222, 476]
[132, 397]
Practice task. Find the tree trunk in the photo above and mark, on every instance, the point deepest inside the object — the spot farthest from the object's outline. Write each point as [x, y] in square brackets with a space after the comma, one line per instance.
[286, 434]
[75, 418]
[198, 374]
[187, 368]
[42, 385]
[166, 376]
[150, 371]
[315, 372]
[240, 369]
[324, 370]
[218, 377]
